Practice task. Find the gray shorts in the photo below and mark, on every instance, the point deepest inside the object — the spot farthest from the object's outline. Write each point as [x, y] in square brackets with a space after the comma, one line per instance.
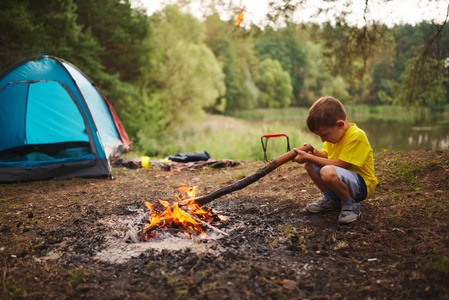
[355, 182]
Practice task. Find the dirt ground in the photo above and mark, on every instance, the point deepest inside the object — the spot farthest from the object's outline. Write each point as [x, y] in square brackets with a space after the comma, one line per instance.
[77, 239]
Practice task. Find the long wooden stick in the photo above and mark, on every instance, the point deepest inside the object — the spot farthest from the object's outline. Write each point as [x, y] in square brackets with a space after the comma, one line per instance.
[242, 183]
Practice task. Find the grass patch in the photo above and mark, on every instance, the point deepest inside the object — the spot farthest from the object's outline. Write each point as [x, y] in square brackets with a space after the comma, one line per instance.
[77, 275]
[407, 172]
[394, 168]
[394, 219]
[436, 262]
[12, 289]
[18, 239]
[292, 237]
[229, 138]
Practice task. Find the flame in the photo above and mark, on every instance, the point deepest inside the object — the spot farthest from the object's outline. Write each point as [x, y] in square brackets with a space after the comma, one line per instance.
[181, 216]
[190, 191]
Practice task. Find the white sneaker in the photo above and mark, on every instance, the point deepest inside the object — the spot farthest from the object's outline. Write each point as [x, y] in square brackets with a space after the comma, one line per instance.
[350, 213]
[323, 204]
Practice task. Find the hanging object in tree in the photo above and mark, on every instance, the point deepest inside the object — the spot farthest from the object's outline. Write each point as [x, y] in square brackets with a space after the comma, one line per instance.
[239, 18]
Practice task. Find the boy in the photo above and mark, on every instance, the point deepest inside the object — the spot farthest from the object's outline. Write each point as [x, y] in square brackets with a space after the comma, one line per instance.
[344, 168]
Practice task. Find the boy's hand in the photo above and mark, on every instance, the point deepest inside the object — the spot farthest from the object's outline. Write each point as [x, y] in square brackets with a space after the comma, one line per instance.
[307, 147]
[301, 156]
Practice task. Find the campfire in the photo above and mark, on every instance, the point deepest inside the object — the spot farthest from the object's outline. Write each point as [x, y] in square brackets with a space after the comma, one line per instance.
[184, 214]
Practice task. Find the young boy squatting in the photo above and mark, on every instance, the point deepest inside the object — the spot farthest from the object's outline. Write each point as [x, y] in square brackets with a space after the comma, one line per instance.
[344, 167]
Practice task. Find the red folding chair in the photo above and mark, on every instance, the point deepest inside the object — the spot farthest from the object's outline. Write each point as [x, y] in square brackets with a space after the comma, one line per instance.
[265, 144]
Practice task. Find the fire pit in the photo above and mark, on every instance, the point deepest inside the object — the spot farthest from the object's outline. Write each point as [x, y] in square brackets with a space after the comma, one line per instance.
[229, 230]
[191, 215]
[122, 238]
[190, 218]
[179, 228]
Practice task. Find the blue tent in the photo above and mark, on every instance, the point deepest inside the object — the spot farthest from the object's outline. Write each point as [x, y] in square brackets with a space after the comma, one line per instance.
[55, 123]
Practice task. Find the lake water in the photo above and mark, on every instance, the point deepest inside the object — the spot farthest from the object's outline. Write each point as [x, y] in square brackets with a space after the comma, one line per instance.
[410, 130]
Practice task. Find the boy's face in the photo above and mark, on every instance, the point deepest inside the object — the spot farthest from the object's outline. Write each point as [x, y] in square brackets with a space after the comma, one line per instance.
[331, 134]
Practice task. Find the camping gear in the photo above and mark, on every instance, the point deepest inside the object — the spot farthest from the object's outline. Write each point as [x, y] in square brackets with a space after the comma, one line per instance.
[171, 166]
[144, 161]
[55, 123]
[189, 157]
[265, 144]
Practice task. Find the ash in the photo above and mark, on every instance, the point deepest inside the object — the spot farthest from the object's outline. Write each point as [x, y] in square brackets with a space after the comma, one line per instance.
[122, 239]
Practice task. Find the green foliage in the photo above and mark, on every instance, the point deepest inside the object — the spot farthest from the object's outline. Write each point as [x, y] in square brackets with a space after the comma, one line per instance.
[103, 38]
[272, 114]
[186, 73]
[420, 76]
[120, 31]
[232, 76]
[185, 80]
[318, 79]
[381, 88]
[358, 91]
[285, 48]
[30, 27]
[142, 114]
[274, 85]
[422, 82]
[237, 59]
[349, 50]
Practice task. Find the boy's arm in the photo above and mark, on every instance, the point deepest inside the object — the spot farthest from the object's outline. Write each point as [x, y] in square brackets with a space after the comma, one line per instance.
[318, 157]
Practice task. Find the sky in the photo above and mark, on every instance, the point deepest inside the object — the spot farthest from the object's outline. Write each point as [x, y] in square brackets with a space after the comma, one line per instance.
[390, 13]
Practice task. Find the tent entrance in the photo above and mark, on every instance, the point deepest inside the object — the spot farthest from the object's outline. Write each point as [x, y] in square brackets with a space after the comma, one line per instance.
[41, 155]
[41, 124]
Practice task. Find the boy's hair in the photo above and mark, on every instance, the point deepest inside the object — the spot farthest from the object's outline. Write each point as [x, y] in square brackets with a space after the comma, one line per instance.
[325, 112]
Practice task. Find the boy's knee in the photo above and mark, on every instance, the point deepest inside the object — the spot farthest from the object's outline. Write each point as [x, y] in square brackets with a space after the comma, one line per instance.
[328, 174]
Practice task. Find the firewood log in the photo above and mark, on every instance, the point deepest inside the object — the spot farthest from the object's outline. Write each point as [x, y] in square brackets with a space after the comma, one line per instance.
[242, 183]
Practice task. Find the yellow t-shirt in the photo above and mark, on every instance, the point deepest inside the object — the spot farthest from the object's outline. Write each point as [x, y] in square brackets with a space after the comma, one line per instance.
[355, 149]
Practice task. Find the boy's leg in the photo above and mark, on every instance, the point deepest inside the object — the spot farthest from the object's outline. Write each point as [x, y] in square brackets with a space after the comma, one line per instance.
[332, 181]
[314, 174]
[346, 184]
[349, 187]
[327, 201]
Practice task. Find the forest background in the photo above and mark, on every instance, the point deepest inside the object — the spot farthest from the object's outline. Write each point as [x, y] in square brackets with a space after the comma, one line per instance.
[165, 72]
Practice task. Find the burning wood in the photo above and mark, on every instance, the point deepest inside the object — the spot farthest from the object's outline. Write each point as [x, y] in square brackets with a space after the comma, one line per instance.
[190, 217]
[206, 224]
[184, 217]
